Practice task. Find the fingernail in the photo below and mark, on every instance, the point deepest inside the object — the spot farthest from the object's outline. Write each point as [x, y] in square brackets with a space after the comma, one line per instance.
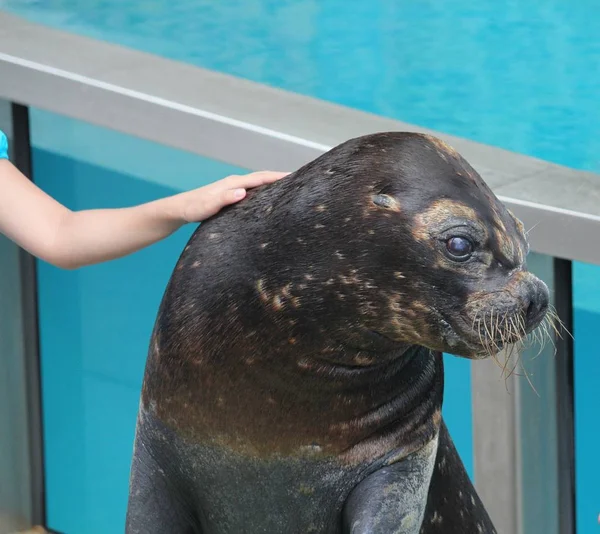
[239, 193]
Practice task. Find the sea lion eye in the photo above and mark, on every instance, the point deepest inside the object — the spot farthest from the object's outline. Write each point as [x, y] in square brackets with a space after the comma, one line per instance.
[459, 248]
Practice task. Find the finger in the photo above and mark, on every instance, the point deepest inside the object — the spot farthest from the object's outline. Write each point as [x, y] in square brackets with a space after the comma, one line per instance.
[255, 179]
[233, 195]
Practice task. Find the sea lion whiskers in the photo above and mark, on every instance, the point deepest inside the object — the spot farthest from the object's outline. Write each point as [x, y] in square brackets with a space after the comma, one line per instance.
[507, 328]
[483, 339]
[506, 334]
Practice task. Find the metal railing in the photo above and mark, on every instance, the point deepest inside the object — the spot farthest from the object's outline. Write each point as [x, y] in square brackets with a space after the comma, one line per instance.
[258, 127]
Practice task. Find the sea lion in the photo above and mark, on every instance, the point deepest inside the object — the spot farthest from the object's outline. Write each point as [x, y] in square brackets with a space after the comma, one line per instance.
[294, 381]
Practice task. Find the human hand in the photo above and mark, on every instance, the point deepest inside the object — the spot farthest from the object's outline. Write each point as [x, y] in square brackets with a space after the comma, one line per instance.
[202, 203]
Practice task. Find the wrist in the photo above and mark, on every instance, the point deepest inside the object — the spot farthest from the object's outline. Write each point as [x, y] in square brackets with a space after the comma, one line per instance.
[167, 211]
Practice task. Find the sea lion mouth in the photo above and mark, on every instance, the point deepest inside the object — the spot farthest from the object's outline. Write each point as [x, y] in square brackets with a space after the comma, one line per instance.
[479, 343]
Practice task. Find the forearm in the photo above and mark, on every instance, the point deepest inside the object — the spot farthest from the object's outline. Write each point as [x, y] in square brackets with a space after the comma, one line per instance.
[93, 236]
[69, 239]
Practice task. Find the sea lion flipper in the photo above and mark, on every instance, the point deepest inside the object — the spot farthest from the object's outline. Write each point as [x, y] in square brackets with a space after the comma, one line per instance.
[157, 504]
[453, 505]
[393, 498]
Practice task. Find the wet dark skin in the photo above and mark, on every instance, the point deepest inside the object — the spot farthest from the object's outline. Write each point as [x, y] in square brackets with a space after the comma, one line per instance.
[294, 382]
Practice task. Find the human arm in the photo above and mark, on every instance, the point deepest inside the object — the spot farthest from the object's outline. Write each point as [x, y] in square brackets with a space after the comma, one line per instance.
[72, 239]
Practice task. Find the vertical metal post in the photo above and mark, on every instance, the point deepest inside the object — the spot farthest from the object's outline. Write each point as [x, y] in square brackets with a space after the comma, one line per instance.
[565, 398]
[21, 157]
[495, 430]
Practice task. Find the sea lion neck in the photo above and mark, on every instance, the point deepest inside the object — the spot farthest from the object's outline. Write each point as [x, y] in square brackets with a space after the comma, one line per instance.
[342, 408]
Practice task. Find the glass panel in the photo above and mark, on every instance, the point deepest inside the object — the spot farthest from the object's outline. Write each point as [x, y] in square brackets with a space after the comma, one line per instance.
[586, 283]
[530, 83]
[95, 323]
[457, 407]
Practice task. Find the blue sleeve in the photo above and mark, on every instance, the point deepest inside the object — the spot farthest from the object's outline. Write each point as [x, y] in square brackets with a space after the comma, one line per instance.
[3, 146]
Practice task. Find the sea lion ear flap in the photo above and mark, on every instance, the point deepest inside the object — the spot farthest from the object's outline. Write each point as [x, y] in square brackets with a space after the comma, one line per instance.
[385, 201]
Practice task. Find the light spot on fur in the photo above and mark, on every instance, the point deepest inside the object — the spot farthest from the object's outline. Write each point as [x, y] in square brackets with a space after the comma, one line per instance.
[296, 302]
[321, 208]
[399, 275]
[349, 280]
[371, 232]
[300, 240]
[196, 264]
[277, 303]
[304, 364]
[264, 245]
[395, 306]
[347, 219]
[213, 236]
[443, 463]
[262, 293]
[292, 341]
[286, 290]
[306, 490]
[339, 255]
[319, 226]
[436, 519]
[363, 360]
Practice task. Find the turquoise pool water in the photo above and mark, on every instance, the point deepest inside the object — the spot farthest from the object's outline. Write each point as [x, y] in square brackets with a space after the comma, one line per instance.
[523, 75]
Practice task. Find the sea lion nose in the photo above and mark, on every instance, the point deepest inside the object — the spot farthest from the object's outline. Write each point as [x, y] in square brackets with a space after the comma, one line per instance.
[537, 301]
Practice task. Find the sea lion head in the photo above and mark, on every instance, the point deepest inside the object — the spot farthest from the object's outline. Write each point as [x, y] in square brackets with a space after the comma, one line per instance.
[394, 237]
[387, 240]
